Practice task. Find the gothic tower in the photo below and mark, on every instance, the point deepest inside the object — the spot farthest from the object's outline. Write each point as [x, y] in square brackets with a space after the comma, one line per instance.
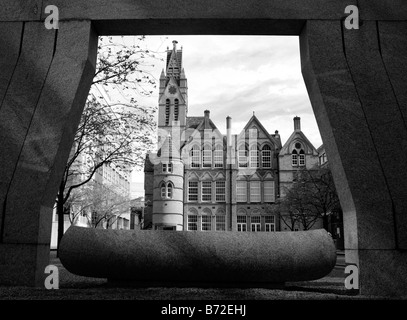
[169, 172]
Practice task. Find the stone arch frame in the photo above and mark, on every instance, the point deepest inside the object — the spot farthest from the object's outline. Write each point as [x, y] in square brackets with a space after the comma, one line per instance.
[206, 211]
[330, 55]
[192, 211]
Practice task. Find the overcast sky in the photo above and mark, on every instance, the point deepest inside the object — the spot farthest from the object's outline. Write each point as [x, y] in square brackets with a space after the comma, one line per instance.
[236, 75]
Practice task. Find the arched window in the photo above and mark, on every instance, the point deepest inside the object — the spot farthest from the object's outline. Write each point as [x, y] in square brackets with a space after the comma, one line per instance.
[242, 156]
[266, 156]
[298, 155]
[166, 190]
[218, 156]
[163, 190]
[170, 187]
[195, 156]
[254, 156]
[207, 156]
[176, 109]
[167, 112]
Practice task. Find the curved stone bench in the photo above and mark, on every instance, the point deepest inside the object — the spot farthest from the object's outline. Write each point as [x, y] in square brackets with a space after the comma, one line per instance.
[198, 257]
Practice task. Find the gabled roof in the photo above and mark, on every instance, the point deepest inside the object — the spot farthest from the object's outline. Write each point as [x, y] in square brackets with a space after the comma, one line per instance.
[199, 124]
[297, 134]
[193, 122]
[256, 121]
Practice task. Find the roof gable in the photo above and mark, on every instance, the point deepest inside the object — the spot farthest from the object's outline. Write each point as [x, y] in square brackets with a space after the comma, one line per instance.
[262, 132]
[298, 135]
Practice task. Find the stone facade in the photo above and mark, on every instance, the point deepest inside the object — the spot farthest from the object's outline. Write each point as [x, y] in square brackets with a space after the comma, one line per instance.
[203, 180]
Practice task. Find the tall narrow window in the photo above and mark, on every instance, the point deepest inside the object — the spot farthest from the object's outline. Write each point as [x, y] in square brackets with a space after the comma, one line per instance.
[241, 191]
[270, 224]
[241, 223]
[242, 157]
[192, 190]
[255, 223]
[167, 112]
[254, 157]
[294, 158]
[220, 189]
[255, 194]
[176, 109]
[192, 222]
[302, 159]
[163, 190]
[266, 156]
[220, 221]
[206, 191]
[195, 156]
[268, 191]
[170, 187]
[206, 223]
[207, 156]
[218, 156]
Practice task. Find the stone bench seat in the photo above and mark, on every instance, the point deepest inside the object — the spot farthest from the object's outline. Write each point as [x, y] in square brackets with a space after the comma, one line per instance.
[198, 257]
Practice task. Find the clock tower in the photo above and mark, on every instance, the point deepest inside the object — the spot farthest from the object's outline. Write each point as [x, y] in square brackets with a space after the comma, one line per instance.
[168, 180]
[173, 95]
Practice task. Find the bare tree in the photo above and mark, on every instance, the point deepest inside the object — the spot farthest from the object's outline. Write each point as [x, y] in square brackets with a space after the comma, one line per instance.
[311, 197]
[101, 205]
[115, 134]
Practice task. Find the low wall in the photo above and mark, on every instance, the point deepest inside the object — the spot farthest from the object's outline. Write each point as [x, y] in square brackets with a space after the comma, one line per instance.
[184, 256]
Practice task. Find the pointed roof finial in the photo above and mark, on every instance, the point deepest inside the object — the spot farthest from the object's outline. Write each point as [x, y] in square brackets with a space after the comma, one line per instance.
[174, 43]
[253, 113]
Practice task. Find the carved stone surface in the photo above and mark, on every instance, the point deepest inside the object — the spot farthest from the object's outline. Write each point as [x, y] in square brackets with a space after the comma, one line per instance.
[184, 256]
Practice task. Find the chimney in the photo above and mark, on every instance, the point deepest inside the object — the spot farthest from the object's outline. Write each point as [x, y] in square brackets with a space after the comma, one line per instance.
[174, 44]
[229, 130]
[297, 123]
[206, 113]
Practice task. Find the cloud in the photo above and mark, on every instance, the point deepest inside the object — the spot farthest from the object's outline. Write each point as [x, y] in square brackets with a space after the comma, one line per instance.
[236, 75]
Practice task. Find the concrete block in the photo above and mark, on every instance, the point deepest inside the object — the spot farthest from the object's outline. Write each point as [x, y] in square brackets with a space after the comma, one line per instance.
[49, 138]
[384, 117]
[198, 257]
[382, 10]
[347, 136]
[20, 10]
[23, 264]
[10, 38]
[393, 45]
[21, 99]
[383, 272]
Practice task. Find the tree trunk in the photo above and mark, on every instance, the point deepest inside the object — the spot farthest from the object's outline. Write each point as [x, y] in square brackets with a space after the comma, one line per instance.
[60, 214]
[325, 223]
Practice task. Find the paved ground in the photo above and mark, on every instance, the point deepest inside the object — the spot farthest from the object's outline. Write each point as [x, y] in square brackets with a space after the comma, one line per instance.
[74, 287]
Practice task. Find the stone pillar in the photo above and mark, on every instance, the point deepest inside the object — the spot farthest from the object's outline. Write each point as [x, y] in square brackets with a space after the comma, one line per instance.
[358, 94]
[43, 92]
